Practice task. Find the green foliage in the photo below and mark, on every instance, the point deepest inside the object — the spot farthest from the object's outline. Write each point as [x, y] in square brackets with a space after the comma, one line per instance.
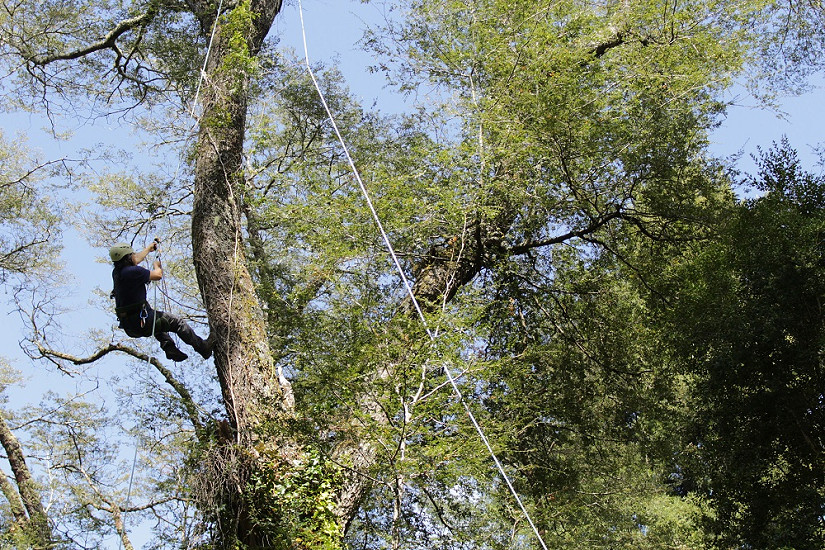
[564, 113]
[748, 327]
[236, 28]
[26, 536]
[293, 502]
[236, 69]
[29, 219]
[790, 51]
[569, 113]
[562, 187]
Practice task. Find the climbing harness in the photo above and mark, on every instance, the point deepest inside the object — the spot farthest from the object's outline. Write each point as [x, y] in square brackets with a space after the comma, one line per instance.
[123, 312]
[408, 287]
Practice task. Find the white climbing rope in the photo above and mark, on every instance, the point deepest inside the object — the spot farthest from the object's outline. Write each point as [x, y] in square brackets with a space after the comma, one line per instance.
[206, 59]
[157, 256]
[128, 496]
[407, 285]
[194, 116]
[137, 443]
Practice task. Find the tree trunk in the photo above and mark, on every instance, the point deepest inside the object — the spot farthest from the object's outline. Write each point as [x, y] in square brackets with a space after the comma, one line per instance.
[13, 498]
[255, 396]
[29, 495]
[250, 385]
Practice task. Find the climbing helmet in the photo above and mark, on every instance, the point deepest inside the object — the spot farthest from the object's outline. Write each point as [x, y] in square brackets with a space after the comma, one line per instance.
[120, 251]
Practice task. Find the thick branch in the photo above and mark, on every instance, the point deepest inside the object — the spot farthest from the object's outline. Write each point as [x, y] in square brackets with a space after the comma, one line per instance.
[595, 225]
[619, 40]
[108, 42]
[186, 398]
[445, 271]
[602, 48]
[13, 498]
[266, 11]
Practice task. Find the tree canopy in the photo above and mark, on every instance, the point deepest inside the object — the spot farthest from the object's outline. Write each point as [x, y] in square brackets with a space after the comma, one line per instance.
[641, 347]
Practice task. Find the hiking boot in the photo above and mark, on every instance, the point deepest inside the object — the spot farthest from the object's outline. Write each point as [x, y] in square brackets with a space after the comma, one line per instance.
[173, 353]
[204, 347]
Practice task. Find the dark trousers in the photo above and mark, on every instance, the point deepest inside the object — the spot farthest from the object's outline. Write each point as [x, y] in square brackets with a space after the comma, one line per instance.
[164, 323]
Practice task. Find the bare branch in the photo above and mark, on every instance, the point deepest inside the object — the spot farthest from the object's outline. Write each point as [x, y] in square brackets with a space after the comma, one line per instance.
[113, 508]
[31, 171]
[150, 505]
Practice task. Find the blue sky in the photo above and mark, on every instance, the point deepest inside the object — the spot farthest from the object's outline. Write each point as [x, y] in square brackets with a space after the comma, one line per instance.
[333, 27]
[748, 127]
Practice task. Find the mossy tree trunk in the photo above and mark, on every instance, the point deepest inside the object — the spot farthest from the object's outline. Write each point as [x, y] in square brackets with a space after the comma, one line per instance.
[249, 382]
[256, 398]
[31, 516]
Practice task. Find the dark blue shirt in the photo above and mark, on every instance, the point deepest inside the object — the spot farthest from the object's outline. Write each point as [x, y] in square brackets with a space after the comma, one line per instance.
[130, 286]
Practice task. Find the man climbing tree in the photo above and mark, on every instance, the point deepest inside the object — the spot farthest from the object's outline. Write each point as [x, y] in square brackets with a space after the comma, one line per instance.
[135, 314]
[582, 128]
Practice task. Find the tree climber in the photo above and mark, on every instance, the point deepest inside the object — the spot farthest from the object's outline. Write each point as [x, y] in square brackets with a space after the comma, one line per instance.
[136, 316]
